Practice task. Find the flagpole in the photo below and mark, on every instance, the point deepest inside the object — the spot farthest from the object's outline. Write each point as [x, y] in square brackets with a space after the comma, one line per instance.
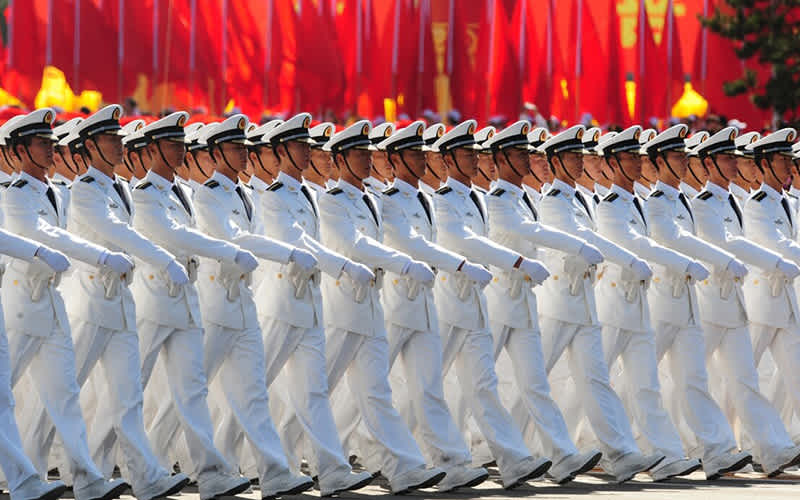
[395, 49]
[267, 52]
[579, 61]
[76, 51]
[670, 21]
[120, 47]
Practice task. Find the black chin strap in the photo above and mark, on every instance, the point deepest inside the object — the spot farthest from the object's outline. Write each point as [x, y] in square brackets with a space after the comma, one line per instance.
[719, 170]
[508, 160]
[666, 162]
[28, 152]
[455, 162]
[574, 181]
[622, 169]
[163, 158]
[771, 171]
[99, 150]
[347, 165]
[286, 149]
[197, 164]
[313, 167]
[400, 154]
[72, 169]
[691, 171]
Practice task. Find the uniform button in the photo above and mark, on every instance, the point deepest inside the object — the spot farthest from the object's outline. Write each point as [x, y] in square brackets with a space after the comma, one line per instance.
[656, 279]
[362, 229]
[16, 282]
[395, 281]
[736, 279]
[150, 277]
[280, 275]
[755, 282]
[444, 278]
[613, 285]
[211, 278]
[91, 277]
[555, 277]
[496, 279]
[337, 282]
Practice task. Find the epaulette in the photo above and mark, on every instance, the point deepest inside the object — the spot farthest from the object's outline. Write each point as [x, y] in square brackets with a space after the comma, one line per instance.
[334, 191]
[19, 183]
[143, 185]
[444, 190]
[706, 195]
[554, 192]
[392, 190]
[611, 197]
[759, 195]
[656, 194]
[275, 186]
[498, 192]
[248, 186]
[5, 184]
[211, 183]
[58, 182]
[87, 179]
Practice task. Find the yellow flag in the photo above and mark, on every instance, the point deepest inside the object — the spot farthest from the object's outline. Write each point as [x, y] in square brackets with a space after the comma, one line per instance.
[690, 103]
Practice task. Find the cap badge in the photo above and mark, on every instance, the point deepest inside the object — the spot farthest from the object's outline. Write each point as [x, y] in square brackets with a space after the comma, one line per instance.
[733, 135]
[682, 133]
[116, 113]
[181, 120]
[420, 128]
[439, 131]
[525, 128]
[365, 129]
[327, 132]
[579, 135]
[790, 137]
[48, 117]
[636, 135]
[542, 135]
[241, 123]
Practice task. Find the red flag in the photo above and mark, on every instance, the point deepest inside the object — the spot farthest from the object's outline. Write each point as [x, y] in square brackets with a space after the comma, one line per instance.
[504, 75]
[26, 49]
[318, 55]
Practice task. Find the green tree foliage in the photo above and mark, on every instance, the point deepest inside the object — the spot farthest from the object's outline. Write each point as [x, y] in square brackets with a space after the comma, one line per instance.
[767, 31]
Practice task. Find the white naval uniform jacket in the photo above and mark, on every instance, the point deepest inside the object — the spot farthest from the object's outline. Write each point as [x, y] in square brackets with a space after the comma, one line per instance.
[463, 225]
[515, 226]
[225, 293]
[721, 299]
[672, 298]
[349, 227]
[410, 227]
[568, 295]
[29, 213]
[770, 299]
[162, 218]
[621, 301]
[99, 214]
[287, 215]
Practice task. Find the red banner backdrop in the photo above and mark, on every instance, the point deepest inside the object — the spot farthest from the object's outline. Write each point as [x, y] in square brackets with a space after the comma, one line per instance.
[621, 61]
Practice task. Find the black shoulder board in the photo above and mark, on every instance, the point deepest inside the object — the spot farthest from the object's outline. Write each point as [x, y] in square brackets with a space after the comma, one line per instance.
[759, 196]
[554, 192]
[334, 191]
[211, 183]
[611, 197]
[143, 185]
[58, 182]
[19, 183]
[706, 195]
[444, 190]
[275, 186]
[498, 192]
[87, 179]
[248, 186]
[5, 184]
[392, 190]
[656, 194]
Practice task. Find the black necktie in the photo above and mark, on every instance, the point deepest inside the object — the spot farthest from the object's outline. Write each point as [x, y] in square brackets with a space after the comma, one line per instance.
[638, 206]
[304, 190]
[474, 196]
[122, 195]
[182, 197]
[248, 207]
[685, 202]
[424, 201]
[785, 205]
[738, 212]
[371, 207]
[581, 199]
[596, 198]
[51, 195]
[527, 201]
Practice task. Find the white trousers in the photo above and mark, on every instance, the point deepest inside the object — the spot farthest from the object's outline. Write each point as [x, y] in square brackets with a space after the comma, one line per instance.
[182, 352]
[415, 359]
[16, 466]
[729, 355]
[784, 346]
[117, 353]
[471, 353]
[50, 362]
[631, 358]
[364, 361]
[583, 346]
[531, 390]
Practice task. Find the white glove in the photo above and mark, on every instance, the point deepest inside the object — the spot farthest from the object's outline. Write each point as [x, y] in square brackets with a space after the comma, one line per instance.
[304, 259]
[57, 261]
[476, 273]
[177, 273]
[535, 270]
[590, 254]
[246, 261]
[737, 269]
[419, 271]
[118, 262]
[697, 271]
[359, 273]
[641, 271]
[788, 269]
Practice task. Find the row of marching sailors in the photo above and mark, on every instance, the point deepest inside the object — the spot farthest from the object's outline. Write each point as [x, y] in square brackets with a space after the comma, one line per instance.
[346, 285]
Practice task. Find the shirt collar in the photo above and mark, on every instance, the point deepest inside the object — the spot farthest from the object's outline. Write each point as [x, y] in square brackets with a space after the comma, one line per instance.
[563, 187]
[33, 181]
[159, 182]
[668, 190]
[601, 189]
[257, 184]
[330, 183]
[288, 181]
[533, 194]
[584, 190]
[504, 184]
[688, 190]
[794, 192]
[349, 188]
[56, 176]
[641, 189]
[716, 190]
[740, 192]
[770, 192]
[457, 186]
[405, 187]
[375, 183]
[193, 185]
[224, 181]
[426, 188]
[622, 193]
[313, 185]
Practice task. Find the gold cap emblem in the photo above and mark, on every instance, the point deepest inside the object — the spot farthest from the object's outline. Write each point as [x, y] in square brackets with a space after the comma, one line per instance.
[525, 128]
[420, 129]
[241, 124]
[181, 120]
[328, 130]
[48, 117]
[115, 115]
[471, 129]
[365, 129]
[682, 133]
[579, 135]
[306, 122]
